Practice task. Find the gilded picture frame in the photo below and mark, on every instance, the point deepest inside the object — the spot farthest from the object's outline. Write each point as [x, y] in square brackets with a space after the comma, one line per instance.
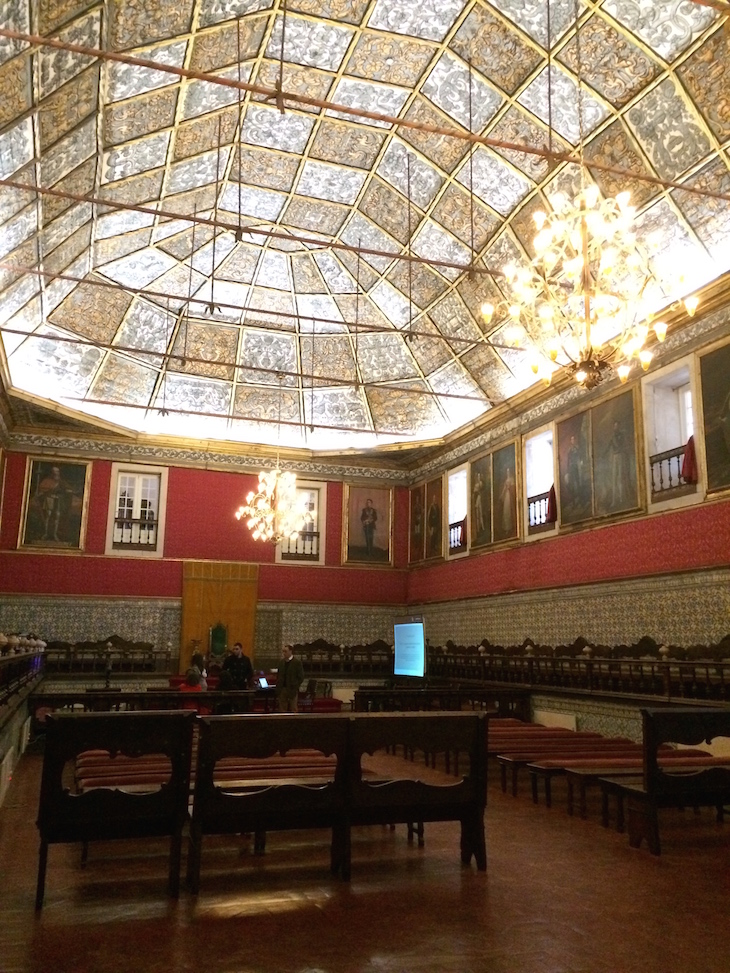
[505, 490]
[575, 469]
[715, 381]
[55, 502]
[368, 525]
[435, 518]
[417, 523]
[614, 452]
[480, 501]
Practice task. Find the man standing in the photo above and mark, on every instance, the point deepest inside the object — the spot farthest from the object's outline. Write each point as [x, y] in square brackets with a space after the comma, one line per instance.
[368, 518]
[288, 680]
[240, 668]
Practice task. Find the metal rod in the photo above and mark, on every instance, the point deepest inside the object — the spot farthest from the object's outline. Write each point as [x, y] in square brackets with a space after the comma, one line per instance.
[234, 228]
[156, 296]
[272, 93]
[169, 410]
[168, 357]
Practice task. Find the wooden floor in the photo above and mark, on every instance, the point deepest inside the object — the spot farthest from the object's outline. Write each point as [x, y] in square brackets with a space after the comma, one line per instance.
[560, 894]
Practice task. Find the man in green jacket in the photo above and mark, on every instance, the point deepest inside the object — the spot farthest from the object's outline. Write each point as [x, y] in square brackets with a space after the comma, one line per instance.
[288, 680]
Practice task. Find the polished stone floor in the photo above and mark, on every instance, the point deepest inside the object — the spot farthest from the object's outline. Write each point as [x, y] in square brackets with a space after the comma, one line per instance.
[560, 894]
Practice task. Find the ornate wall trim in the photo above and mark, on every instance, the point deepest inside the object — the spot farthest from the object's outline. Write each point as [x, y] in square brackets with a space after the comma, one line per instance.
[134, 452]
[693, 335]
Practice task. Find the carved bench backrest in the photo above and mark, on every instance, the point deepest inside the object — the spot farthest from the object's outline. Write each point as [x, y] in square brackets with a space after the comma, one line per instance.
[689, 726]
[105, 812]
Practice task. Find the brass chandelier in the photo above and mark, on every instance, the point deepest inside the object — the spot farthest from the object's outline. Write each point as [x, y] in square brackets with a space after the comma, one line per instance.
[586, 298]
[583, 299]
[273, 512]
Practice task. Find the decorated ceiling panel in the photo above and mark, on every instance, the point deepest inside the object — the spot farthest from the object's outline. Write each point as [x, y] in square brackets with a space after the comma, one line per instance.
[305, 264]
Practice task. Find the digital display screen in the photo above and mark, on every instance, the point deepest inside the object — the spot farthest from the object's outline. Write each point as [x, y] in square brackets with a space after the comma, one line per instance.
[410, 649]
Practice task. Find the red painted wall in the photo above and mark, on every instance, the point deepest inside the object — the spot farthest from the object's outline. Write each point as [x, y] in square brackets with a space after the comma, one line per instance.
[86, 574]
[200, 524]
[681, 540]
[360, 586]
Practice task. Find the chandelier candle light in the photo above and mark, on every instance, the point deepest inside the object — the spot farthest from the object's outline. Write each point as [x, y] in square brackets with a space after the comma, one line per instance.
[582, 301]
[274, 512]
[585, 299]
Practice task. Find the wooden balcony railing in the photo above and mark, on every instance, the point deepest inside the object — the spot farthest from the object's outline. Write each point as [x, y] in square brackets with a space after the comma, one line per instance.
[537, 513]
[17, 669]
[135, 533]
[304, 547]
[457, 537]
[666, 474]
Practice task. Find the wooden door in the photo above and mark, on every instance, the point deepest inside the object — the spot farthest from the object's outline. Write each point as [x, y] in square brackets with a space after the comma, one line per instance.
[218, 592]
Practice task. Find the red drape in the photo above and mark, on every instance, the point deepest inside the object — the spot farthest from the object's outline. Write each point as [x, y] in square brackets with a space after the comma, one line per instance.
[689, 462]
[552, 507]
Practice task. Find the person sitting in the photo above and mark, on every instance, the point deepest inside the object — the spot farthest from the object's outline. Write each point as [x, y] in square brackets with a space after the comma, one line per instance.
[239, 666]
[192, 685]
[288, 680]
[198, 662]
[192, 681]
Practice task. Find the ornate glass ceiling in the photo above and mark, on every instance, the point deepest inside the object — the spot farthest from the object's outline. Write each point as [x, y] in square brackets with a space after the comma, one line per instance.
[148, 289]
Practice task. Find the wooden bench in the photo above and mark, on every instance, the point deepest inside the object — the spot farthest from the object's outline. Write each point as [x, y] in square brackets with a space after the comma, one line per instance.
[515, 755]
[606, 753]
[110, 812]
[668, 786]
[335, 794]
[392, 801]
[264, 800]
[582, 774]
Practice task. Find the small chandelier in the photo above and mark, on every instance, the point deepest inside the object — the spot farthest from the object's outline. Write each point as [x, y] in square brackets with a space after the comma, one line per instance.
[273, 512]
[581, 302]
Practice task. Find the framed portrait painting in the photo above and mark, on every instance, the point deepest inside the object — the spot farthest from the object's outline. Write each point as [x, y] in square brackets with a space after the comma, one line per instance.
[574, 469]
[434, 518]
[368, 513]
[417, 533]
[481, 501]
[504, 478]
[715, 376]
[615, 486]
[55, 502]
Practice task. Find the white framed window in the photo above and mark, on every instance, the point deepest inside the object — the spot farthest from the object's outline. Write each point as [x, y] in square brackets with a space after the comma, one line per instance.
[540, 512]
[669, 418]
[458, 506]
[309, 546]
[137, 506]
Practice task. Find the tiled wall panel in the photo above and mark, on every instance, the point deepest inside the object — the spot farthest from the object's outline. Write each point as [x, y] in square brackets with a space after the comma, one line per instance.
[679, 609]
[155, 620]
[609, 719]
[339, 624]
[684, 609]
